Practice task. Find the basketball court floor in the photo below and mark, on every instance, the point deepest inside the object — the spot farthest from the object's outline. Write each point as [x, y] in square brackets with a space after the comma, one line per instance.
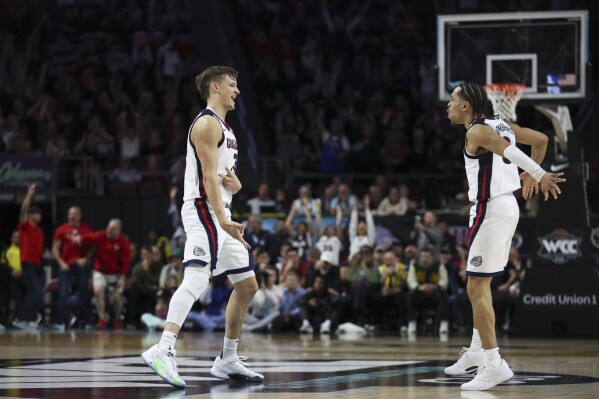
[107, 365]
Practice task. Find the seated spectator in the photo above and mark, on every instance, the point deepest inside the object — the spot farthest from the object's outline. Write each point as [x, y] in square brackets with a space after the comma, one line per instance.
[294, 264]
[427, 234]
[393, 281]
[257, 237]
[318, 307]
[162, 242]
[362, 279]
[262, 203]
[130, 144]
[141, 297]
[263, 261]
[125, 173]
[172, 269]
[363, 232]
[289, 318]
[427, 281]
[324, 268]
[264, 307]
[409, 254]
[312, 257]
[344, 199]
[393, 205]
[305, 202]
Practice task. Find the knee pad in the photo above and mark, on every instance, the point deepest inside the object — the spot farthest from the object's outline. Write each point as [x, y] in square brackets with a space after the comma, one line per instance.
[194, 284]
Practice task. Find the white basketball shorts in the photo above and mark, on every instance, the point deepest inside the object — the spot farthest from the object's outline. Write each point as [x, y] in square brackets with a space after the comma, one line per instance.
[491, 228]
[210, 247]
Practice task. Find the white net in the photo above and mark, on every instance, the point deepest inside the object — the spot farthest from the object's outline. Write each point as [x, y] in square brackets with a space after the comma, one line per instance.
[505, 97]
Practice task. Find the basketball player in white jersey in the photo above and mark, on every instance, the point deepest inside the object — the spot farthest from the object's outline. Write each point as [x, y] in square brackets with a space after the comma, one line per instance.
[214, 242]
[492, 161]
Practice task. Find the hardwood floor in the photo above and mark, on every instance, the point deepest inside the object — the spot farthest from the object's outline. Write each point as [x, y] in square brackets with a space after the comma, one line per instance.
[107, 365]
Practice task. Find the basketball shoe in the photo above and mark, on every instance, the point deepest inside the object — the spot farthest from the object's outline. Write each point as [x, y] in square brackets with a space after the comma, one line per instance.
[234, 371]
[488, 377]
[163, 363]
[468, 363]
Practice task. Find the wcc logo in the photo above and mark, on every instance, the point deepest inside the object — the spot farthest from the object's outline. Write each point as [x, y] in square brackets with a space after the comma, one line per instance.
[559, 247]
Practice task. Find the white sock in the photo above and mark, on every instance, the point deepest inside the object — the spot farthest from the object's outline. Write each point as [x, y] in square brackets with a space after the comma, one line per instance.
[492, 357]
[229, 352]
[476, 343]
[167, 341]
[444, 327]
[412, 325]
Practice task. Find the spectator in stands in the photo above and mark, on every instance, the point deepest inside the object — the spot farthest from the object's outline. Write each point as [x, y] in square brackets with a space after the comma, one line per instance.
[172, 269]
[335, 147]
[301, 235]
[14, 290]
[125, 173]
[305, 202]
[111, 266]
[262, 203]
[325, 269]
[257, 237]
[31, 238]
[72, 260]
[331, 240]
[393, 204]
[427, 234]
[263, 260]
[130, 144]
[409, 254]
[295, 264]
[155, 239]
[344, 199]
[264, 307]
[393, 282]
[141, 297]
[289, 319]
[363, 232]
[362, 279]
[318, 307]
[448, 241]
[427, 281]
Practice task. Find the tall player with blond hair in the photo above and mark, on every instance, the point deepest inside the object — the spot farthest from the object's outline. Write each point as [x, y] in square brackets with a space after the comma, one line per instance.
[214, 243]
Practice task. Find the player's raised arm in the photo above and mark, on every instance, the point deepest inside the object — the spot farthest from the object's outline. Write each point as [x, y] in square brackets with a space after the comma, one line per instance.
[481, 136]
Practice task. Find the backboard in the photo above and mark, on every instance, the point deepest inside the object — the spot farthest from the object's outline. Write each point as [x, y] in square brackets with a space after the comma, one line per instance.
[547, 51]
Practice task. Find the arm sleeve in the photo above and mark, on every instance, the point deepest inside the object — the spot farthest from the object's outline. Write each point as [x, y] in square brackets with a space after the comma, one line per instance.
[353, 224]
[443, 279]
[371, 227]
[412, 282]
[515, 155]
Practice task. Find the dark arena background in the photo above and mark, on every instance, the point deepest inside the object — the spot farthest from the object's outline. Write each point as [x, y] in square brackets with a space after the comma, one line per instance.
[342, 116]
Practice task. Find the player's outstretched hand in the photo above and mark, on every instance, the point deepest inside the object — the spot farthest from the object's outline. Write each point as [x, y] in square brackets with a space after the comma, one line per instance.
[549, 184]
[235, 230]
[530, 187]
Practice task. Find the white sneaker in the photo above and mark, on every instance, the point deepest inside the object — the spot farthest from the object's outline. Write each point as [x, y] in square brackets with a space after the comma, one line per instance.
[325, 327]
[306, 328]
[489, 377]
[164, 364]
[412, 328]
[468, 363]
[234, 371]
[21, 325]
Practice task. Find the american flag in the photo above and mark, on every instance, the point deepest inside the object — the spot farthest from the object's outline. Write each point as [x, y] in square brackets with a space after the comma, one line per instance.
[569, 79]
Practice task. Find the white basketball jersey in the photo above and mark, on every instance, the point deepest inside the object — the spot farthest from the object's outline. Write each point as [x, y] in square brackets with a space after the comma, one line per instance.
[490, 175]
[227, 157]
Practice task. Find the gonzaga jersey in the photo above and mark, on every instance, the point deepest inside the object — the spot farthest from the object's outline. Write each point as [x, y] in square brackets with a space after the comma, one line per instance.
[227, 157]
[490, 175]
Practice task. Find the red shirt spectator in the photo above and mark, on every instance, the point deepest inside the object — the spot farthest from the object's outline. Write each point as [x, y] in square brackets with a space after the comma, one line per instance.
[113, 250]
[32, 241]
[70, 251]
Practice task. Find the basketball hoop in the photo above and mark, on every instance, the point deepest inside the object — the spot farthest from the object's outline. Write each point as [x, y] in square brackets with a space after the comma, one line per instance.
[505, 97]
